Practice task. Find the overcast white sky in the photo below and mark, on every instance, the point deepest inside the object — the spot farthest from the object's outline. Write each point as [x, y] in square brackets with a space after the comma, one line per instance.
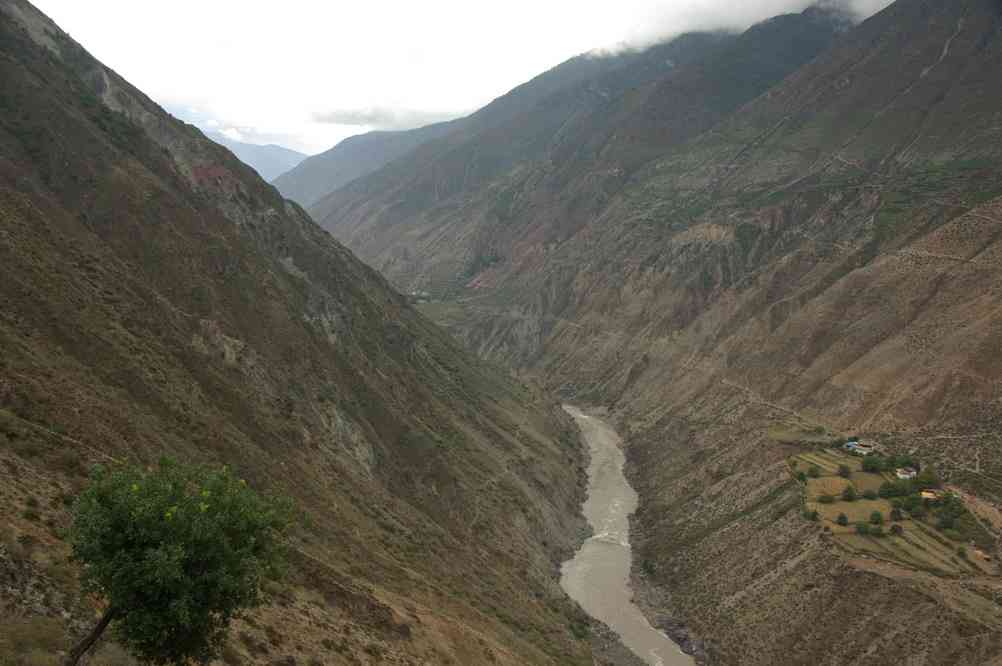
[307, 73]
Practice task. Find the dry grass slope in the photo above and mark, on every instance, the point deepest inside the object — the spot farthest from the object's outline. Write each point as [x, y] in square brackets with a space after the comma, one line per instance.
[156, 297]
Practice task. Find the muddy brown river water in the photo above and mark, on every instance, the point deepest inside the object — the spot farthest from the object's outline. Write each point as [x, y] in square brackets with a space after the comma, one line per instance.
[598, 577]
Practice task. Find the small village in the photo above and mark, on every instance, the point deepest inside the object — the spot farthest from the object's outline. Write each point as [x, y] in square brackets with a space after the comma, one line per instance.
[892, 508]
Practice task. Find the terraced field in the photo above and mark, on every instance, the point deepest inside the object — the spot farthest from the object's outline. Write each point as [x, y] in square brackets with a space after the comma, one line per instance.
[829, 461]
[826, 485]
[857, 512]
[864, 481]
[919, 545]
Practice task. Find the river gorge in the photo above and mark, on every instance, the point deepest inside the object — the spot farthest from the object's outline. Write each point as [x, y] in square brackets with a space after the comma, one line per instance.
[598, 577]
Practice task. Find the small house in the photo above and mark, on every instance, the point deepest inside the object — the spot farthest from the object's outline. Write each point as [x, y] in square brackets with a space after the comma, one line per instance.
[906, 472]
[930, 494]
[864, 448]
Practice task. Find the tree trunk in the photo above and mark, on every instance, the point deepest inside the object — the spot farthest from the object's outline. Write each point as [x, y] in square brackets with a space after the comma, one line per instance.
[88, 641]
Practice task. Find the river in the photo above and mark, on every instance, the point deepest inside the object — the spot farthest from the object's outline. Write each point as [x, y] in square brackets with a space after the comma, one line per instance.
[598, 577]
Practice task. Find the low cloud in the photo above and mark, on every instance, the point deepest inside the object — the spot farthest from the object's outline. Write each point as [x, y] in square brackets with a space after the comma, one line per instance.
[662, 20]
[233, 133]
[383, 118]
[861, 8]
[410, 76]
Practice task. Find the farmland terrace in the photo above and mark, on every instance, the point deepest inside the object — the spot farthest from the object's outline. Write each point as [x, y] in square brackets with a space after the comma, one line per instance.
[866, 510]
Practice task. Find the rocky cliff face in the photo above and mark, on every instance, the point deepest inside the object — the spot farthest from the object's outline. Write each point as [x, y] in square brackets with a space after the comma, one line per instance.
[821, 258]
[157, 297]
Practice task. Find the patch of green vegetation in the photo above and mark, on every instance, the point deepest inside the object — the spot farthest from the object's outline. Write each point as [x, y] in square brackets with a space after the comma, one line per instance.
[812, 435]
[887, 223]
[692, 210]
[926, 522]
[182, 548]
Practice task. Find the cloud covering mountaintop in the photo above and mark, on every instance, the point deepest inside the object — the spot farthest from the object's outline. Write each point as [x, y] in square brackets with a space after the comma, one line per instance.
[307, 74]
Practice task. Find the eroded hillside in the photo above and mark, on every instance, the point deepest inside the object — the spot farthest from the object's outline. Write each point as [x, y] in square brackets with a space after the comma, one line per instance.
[823, 259]
[438, 219]
[157, 297]
[352, 158]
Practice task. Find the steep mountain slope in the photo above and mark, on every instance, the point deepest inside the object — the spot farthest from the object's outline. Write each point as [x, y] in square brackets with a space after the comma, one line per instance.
[436, 221]
[361, 155]
[827, 259]
[157, 297]
[270, 161]
[352, 158]
[823, 261]
[841, 170]
[518, 126]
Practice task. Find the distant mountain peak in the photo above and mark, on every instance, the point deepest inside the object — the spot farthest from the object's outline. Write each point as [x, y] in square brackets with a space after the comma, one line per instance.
[269, 160]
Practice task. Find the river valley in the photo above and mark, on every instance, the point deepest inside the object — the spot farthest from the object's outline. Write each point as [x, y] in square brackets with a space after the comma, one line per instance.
[598, 577]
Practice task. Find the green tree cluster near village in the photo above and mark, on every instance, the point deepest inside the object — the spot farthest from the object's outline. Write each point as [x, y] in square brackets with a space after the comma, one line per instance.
[876, 463]
[897, 489]
[175, 552]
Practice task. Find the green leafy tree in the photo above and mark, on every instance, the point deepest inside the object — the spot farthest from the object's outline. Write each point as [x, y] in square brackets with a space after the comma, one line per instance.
[849, 494]
[844, 471]
[842, 519]
[801, 477]
[176, 553]
[862, 529]
[874, 464]
[811, 515]
[898, 488]
[870, 495]
[877, 518]
[826, 499]
[927, 478]
[814, 471]
[952, 507]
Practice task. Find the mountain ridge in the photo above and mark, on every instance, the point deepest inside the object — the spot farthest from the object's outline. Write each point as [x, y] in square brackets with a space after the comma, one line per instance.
[269, 160]
[351, 158]
[402, 218]
[819, 261]
[159, 298]
[365, 154]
